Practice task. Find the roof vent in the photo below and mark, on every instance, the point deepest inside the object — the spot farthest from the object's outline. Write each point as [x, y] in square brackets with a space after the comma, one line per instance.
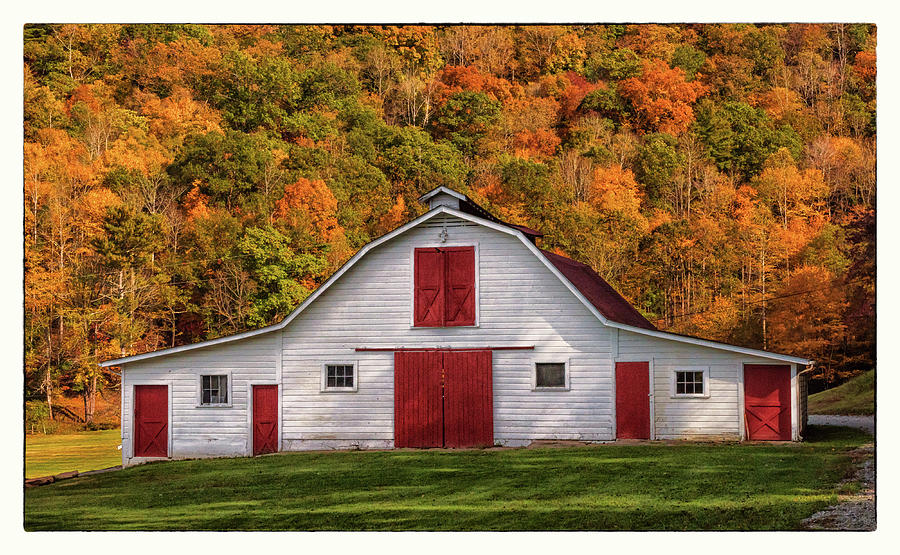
[443, 196]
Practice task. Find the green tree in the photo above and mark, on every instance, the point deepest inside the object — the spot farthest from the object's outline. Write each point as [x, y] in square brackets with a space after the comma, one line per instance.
[613, 63]
[689, 59]
[657, 161]
[128, 244]
[277, 271]
[465, 118]
[607, 103]
[409, 157]
[230, 168]
[740, 138]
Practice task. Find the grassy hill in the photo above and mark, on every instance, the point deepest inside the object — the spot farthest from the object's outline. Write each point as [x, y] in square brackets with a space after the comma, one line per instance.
[856, 396]
[82, 451]
[689, 486]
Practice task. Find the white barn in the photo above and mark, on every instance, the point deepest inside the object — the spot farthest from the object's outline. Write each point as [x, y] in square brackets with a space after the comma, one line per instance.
[453, 330]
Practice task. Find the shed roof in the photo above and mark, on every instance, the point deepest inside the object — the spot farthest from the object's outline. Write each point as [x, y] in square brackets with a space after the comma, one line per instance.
[600, 293]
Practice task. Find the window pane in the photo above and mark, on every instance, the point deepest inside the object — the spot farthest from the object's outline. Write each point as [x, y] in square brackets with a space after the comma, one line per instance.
[689, 383]
[213, 390]
[339, 375]
[223, 389]
[550, 374]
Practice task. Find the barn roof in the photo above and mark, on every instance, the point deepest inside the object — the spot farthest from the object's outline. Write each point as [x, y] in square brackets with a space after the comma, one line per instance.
[600, 293]
[597, 295]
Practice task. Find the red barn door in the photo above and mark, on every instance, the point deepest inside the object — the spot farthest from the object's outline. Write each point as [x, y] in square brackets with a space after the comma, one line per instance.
[418, 399]
[443, 399]
[468, 396]
[767, 402]
[265, 419]
[633, 400]
[151, 421]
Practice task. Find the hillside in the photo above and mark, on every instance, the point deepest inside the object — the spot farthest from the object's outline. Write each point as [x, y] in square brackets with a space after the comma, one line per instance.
[184, 182]
[855, 396]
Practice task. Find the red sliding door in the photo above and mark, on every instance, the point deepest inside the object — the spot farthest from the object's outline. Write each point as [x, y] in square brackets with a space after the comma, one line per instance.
[418, 399]
[468, 395]
[443, 399]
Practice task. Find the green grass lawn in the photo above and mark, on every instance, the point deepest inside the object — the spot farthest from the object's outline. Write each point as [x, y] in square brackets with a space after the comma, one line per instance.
[856, 396]
[82, 451]
[605, 487]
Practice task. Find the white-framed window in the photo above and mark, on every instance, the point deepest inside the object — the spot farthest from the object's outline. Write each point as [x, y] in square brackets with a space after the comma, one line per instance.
[214, 390]
[690, 382]
[551, 375]
[339, 376]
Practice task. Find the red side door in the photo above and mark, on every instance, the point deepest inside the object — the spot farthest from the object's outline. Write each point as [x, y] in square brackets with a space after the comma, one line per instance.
[767, 402]
[418, 401]
[633, 400]
[265, 419]
[151, 421]
[468, 399]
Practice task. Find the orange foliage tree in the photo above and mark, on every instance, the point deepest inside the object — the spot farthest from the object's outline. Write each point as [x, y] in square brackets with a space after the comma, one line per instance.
[813, 292]
[310, 203]
[661, 98]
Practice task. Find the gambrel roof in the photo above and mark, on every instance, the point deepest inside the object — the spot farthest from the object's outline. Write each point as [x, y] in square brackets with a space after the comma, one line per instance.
[596, 294]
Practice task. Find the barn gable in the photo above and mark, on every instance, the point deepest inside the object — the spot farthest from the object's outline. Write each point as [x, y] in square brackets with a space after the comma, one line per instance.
[606, 303]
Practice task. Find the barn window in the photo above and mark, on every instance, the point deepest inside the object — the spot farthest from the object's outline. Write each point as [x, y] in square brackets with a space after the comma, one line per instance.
[214, 390]
[551, 376]
[340, 376]
[444, 287]
[692, 382]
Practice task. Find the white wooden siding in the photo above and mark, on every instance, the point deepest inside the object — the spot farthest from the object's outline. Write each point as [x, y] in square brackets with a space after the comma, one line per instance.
[520, 303]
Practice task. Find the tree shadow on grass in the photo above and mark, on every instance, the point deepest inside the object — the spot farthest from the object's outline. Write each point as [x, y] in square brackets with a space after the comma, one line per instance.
[640, 487]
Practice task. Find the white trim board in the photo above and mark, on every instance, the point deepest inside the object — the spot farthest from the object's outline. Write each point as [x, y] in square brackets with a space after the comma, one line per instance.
[445, 190]
[492, 225]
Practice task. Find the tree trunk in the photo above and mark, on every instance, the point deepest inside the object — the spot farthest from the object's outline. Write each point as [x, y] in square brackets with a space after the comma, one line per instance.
[84, 401]
[48, 382]
[762, 279]
[89, 418]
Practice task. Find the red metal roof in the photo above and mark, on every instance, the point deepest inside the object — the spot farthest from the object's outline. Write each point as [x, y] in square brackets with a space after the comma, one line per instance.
[600, 294]
[526, 230]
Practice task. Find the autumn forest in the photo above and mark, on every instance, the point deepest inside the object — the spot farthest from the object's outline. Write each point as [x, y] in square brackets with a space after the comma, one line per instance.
[184, 182]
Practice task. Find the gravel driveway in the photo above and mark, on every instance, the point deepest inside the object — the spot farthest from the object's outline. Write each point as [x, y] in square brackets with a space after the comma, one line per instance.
[866, 423]
[855, 511]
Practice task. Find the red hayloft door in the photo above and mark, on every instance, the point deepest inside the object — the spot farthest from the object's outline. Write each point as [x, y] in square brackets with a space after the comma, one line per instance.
[633, 400]
[151, 421]
[767, 401]
[265, 419]
[443, 399]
